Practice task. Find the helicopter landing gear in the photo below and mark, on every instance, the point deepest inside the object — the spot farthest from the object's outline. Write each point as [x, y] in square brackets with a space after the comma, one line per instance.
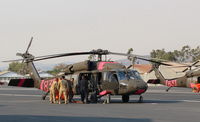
[140, 99]
[107, 100]
[168, 89]
[93, 98]
[44, 95]
[125, 98]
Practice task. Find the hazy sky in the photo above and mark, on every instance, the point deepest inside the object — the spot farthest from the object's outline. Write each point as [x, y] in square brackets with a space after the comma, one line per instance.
[60, 26]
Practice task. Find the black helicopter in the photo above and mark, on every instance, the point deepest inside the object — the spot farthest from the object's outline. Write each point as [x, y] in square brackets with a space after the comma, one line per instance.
[103, 75]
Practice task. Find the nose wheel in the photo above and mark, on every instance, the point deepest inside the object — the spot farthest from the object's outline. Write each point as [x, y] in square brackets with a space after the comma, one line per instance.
[140, 99]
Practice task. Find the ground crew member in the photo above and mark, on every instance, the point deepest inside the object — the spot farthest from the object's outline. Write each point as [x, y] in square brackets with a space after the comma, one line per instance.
[53, 89]
[70, 87]
[196, 88]
[63, 89]
[44, 95]
[83, 88]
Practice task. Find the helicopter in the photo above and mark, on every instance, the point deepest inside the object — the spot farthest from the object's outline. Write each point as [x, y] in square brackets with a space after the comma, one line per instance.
[191, 78]
[102, 75]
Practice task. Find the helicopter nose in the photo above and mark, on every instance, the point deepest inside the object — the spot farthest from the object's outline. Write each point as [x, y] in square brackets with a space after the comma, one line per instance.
[137, 87]
[142, 85]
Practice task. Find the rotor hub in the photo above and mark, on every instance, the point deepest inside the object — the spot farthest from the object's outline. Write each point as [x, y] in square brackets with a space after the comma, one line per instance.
[100, 52]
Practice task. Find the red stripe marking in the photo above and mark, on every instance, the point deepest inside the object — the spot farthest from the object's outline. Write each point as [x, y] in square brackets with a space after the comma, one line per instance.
[21, 82]
[105, 92]
[101, 64]
[46, 84]
[171, 83]
[140, 91]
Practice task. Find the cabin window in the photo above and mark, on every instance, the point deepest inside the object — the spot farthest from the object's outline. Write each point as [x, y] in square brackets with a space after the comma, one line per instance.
[113, 78]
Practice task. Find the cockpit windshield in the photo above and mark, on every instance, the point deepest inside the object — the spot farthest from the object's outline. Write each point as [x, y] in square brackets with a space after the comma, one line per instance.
[134, 74]
[128, 74]
[122, 75]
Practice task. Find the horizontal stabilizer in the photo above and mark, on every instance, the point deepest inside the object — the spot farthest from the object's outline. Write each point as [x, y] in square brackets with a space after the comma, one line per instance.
[21, 82]
[153, 81]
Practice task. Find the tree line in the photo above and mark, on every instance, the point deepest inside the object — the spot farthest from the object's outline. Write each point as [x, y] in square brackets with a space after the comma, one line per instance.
[186, 54]
[22, 68]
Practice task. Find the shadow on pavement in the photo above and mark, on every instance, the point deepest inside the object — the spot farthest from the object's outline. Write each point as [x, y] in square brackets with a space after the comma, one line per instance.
[35, 118]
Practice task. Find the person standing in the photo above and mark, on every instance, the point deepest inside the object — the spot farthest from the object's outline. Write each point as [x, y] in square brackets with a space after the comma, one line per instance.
[70, 87]
[83, 88]
[53, 90]
[63, 89]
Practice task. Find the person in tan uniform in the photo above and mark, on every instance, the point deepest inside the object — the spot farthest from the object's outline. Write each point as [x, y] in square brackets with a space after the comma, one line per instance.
[63, 89]
[53, 89]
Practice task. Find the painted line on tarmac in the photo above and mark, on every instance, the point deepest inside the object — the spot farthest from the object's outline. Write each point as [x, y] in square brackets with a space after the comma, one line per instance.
[188, 101]
[20, 95]
[161, 91]
[191, 101]
[19, 89]
[20, 101]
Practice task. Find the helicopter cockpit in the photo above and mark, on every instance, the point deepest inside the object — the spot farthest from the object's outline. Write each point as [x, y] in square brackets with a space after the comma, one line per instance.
[128, 74]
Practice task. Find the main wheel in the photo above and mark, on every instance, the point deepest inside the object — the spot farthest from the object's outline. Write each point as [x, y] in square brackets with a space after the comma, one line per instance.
[125, 98]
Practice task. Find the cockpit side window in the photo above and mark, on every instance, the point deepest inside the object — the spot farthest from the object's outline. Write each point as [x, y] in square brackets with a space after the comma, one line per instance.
[104, 76]
[134, 74]
[112, 78]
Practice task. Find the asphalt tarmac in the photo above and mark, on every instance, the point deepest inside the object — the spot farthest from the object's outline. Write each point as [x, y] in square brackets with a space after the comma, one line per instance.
[25, 105]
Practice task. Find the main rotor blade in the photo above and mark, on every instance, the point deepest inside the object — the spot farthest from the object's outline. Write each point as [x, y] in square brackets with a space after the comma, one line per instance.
[195, 63]
[185, 69]
[123, 54]
[19, 54]
[61, 55]
[189, 66]
[193, 70]
[13, 60]
[153, 61]
[142, 58]
[93, 52]
[38, 58]
[29, 44]
[179, 66]
[129, 66]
